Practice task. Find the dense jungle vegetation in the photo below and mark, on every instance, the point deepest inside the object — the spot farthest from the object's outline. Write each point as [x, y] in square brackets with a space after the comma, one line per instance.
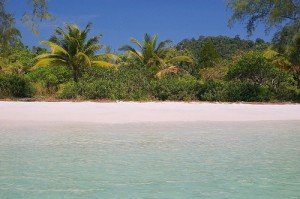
[76, 66]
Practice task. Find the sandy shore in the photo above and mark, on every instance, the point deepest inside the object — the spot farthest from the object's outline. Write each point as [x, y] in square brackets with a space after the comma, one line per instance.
[127, 112]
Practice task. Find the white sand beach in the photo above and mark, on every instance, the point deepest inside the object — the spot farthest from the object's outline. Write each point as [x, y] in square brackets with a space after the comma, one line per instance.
[129, 112]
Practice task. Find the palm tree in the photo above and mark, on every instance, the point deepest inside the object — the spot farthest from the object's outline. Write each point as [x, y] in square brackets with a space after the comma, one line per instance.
[73, 49]
[159, 57]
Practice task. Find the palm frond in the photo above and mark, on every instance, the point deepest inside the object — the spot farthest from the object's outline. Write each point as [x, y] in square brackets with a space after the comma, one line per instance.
[106, 56]
[147, 38]
[92, 41]
[132, 52]
[50, 55]
[88, 28]
[92, 49]
[162, 45]
[126, 48]
[104, 64]
[83, 59]
[50, 62]
[133, 40]
[154, 41]
[54, 47]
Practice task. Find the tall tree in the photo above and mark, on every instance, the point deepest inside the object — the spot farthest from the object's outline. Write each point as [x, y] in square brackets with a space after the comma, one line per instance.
[273, 13]
[73, 49]
[8, 33]
[31, 18]
[294, 56]
[208, 55]
[156, 56]
[283, 14]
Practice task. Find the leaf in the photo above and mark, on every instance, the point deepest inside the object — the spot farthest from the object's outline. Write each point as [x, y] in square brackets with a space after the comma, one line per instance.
[48, 62]
[104, 64]
[54, 47]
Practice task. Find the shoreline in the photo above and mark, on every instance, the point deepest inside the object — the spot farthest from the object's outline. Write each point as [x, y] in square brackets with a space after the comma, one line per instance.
[143, 112]
[152, 101]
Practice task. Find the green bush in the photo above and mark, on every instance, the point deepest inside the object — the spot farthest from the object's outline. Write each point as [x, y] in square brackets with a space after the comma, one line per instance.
[83, 90]
[254, 68]
[50, 78]
[213, 91]
[234, 91]
[178, 89]
[127, 83]
[246, 92]
[12, 86]
[101, 89]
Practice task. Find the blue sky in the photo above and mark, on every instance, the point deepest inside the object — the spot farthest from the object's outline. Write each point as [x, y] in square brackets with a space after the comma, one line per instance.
[118, 20]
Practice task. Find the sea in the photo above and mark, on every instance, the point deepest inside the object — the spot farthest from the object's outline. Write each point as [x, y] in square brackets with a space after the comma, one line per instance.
[178, 160]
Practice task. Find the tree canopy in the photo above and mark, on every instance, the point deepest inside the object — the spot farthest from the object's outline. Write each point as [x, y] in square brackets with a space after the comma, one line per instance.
[31, 18]
[158, 56]
[272, 13]
[72, 48]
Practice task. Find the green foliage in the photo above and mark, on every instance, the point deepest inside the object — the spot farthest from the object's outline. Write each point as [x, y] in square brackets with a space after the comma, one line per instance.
[225, 46]
[12, 86]
[128, 83]
[16, 59]
[47, 80]
[234, 91]
[179, 89]
[88, 90]
[284, 38]
[73, 49]
[272, 13]
[208, 55]
[212, 91]
[38, 13]
[157, 57]
[286, 49]
[247, 92]
[254, 68]
[294, 53]
[284, 14]
[217, 72]
[223, 68]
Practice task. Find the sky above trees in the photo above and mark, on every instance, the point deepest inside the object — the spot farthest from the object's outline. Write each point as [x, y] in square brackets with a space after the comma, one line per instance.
[118, 20]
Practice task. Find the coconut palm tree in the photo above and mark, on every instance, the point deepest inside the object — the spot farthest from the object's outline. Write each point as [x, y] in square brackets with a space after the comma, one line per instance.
[158, 56]
[73, 49]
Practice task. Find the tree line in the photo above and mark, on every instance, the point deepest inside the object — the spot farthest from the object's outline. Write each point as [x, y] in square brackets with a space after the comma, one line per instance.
[207, 69]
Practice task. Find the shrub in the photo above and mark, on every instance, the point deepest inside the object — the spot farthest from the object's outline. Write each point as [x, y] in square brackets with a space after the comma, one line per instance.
[246, 92]
[234, 91]
[254, 68]
[127, 83]
[179, 89]
[14, 86]
[212, 91]
[48, 79]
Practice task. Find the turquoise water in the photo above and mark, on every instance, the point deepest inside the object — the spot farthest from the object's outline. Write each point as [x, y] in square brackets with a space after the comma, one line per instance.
[211, 160]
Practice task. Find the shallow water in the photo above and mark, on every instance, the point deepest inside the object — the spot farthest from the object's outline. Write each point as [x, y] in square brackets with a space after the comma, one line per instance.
[212, 160]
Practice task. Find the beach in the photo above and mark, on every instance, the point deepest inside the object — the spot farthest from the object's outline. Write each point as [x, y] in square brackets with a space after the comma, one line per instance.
[135, 112]
[149, 150]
